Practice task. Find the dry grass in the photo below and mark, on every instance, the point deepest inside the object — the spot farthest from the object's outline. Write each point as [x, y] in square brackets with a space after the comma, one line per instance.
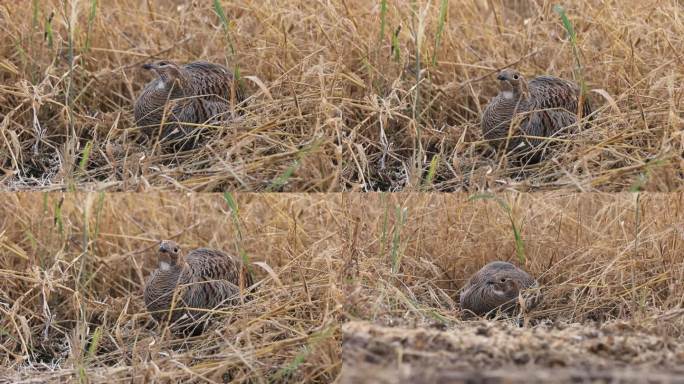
[334, 107]
[75, 272]
[73, 266]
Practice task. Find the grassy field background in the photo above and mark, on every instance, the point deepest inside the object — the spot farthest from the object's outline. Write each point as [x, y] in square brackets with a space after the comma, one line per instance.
[348, 95]
[73, 267]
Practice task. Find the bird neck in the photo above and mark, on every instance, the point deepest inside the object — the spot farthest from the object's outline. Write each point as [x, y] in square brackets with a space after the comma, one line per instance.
[171, 266]
[521, 91]
[174, 81]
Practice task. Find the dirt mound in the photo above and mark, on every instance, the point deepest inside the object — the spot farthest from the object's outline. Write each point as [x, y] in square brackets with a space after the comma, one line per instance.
[496, 352]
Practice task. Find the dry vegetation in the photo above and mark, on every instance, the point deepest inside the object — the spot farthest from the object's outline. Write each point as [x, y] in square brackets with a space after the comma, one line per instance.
[340, 102]
[73, 271]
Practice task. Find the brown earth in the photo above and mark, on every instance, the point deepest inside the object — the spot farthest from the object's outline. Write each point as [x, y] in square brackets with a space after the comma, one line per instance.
[503, 352]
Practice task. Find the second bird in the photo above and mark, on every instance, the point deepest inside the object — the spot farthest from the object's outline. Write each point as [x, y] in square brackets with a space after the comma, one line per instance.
[203, 279]
[496, 287]
[183, 97]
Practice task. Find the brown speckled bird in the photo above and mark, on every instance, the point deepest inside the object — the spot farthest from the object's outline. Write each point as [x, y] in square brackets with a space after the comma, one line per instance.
[184, 96]
[204, 279]
[496, 286]
[546, 106]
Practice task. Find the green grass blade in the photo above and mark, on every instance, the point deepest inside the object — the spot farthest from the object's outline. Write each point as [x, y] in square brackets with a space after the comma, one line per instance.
[431, 172]
[234, 213]
[82, 376]
[283, 178]
[383, 18]
[94, 343]
[292, 367]
[225, 23]
[91, 19]
[519, 243]
[34, 21]
[287, 370]
[401, 214]
[86, 156]
[566, 22]
[235, 218]
[396, 50]
[48, 31]
[443, 11]
[385, 217]
[579, 73]
[59, 222]
[98, 215]
[83, 278]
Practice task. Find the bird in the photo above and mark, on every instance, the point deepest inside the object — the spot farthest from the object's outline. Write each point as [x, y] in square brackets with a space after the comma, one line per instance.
[203, 279]
[546, 106]
[496, 287]
[183, 97]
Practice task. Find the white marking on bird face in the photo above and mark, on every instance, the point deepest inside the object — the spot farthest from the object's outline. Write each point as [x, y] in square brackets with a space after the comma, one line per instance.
[164, 266]
[508, 95]
[498, 292]
[161, 85]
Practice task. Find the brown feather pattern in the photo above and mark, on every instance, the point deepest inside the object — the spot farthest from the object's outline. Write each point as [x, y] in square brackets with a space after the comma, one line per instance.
[203, 279]
[496, 286]
[195, 93]
[546, 106]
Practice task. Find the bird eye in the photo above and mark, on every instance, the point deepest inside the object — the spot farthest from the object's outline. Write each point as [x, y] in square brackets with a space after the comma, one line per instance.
[502, 280]
[515, 77]
[163, 63]
[175, 250]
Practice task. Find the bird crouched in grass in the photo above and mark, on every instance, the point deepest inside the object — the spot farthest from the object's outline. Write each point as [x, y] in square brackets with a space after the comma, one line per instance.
[183, 97]
[544, 107]
[183, 288]
[496, 287]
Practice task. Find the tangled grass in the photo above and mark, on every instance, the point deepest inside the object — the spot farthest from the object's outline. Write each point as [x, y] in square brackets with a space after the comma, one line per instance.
[73, 267]
[346, 96]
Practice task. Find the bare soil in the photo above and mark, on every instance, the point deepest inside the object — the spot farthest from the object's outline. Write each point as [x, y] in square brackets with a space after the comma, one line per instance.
[503, 352]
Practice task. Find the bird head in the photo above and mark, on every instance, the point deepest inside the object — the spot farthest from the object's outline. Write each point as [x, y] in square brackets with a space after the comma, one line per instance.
[167, 70]
[503, 286]
[512, 80]
[170, 251]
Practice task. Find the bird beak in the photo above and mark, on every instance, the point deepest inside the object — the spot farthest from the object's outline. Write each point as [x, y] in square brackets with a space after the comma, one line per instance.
[147, 66]
[501, 77]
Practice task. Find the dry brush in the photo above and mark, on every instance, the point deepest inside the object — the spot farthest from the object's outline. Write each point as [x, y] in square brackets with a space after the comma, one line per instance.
[347, 95]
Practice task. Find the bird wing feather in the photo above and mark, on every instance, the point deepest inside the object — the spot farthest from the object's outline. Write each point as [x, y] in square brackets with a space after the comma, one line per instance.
[213, 277]
[553, 92]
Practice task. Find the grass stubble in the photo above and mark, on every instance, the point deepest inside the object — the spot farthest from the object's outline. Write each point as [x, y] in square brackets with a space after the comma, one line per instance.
[346, 96]
[73, 266]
